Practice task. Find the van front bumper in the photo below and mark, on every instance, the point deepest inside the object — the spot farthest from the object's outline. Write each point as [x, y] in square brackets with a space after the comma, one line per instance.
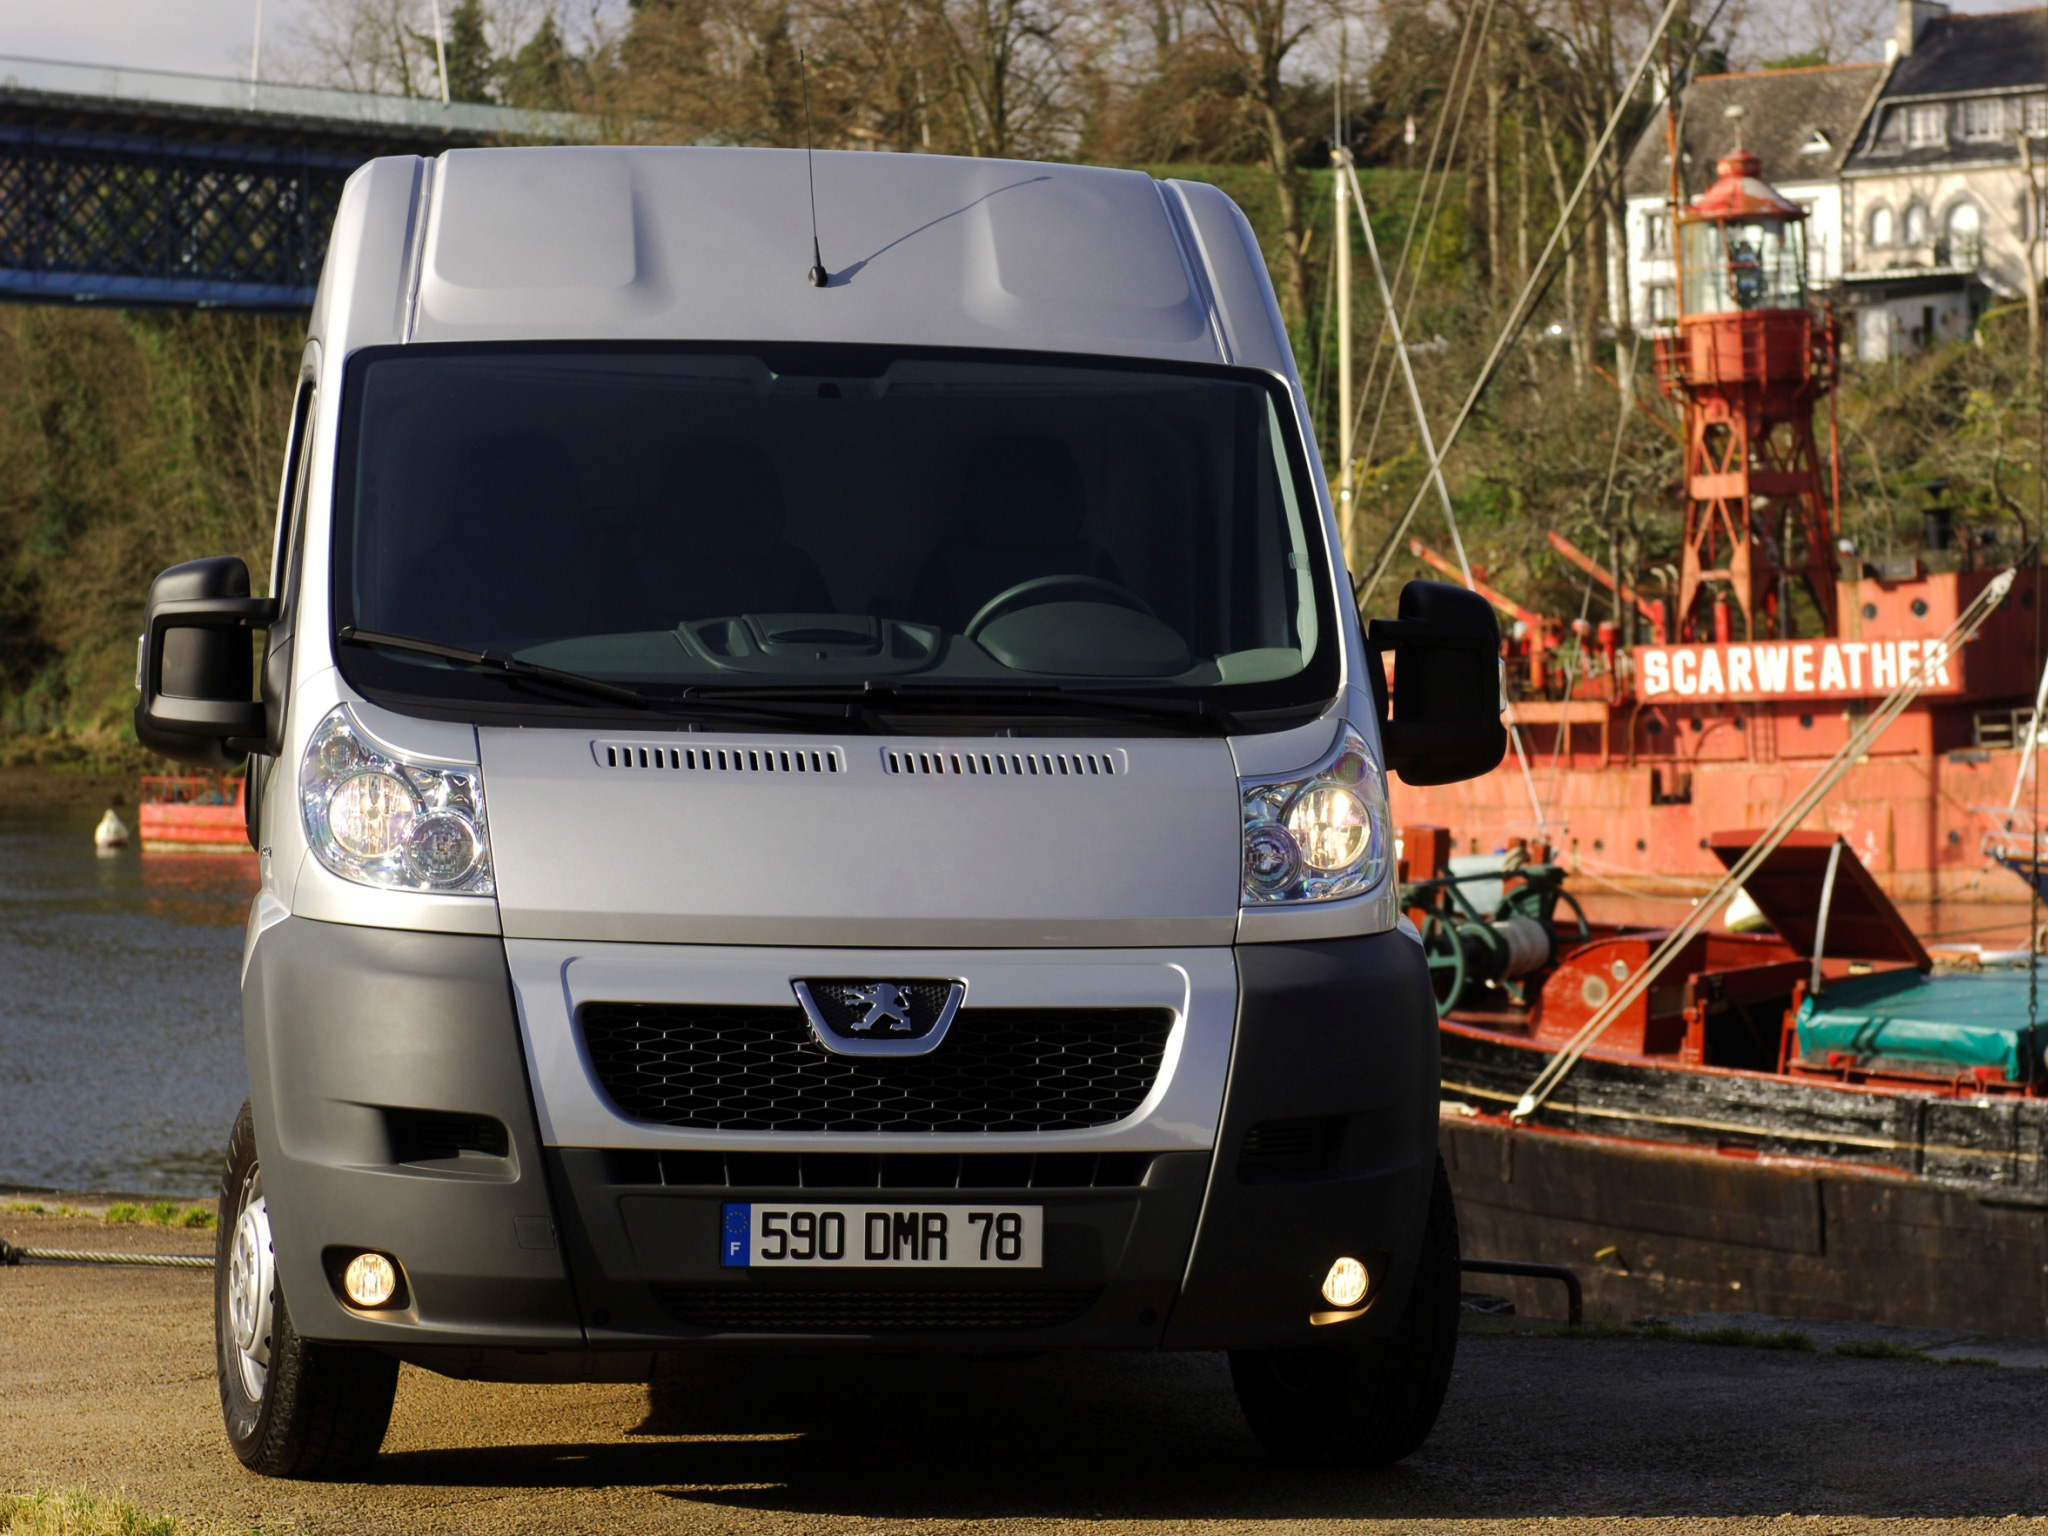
[1324, 1148]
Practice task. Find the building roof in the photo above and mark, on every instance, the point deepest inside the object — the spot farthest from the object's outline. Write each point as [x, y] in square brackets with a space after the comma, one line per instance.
[1799, 123]
[1958, 55]
[714, 244]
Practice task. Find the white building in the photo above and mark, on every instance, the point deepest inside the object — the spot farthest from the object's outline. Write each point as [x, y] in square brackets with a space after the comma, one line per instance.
[1940, 217]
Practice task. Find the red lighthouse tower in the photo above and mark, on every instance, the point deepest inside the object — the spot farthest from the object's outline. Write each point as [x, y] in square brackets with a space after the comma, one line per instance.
[1747, 365]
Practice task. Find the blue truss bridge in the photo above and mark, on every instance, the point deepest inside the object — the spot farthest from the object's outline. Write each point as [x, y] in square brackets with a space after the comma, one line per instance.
[142, 187]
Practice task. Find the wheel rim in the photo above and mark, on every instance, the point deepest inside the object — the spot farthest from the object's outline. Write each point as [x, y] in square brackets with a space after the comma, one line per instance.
[251, 1284]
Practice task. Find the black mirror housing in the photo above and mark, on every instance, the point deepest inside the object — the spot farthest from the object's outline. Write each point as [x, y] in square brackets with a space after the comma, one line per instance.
[1444, 724]
[195, 666]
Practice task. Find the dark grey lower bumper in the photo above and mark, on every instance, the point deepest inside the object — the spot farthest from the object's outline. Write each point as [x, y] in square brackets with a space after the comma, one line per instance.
[370, 1051]
[1326, 1148]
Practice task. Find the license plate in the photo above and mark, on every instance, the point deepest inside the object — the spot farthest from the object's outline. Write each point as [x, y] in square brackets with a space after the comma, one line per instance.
[882, 1236]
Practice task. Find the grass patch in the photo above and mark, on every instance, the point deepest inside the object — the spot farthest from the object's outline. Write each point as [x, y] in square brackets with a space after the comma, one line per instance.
[1731, 1336]
[159, 1213]
[75, 1512]
[1880, 1349]
[1734, 1336]
[1979, 1360]
[26, 1207]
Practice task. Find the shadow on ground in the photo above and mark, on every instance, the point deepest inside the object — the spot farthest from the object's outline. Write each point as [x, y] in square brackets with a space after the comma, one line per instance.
[1534, 1427]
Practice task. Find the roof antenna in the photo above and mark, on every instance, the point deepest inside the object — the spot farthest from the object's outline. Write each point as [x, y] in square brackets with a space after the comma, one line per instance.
[819, 279]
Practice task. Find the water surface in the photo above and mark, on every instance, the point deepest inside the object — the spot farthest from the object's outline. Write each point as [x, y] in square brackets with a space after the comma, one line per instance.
[120, 1009]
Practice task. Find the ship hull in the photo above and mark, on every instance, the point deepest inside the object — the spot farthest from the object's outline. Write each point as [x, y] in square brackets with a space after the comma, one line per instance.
[1918, 822]
[1661, 1231]
[1672, 1190]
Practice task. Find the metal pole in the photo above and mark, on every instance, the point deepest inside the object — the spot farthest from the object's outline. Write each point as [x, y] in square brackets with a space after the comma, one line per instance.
[256, 47]
[1399, 342]
[1341, 158]
[441, 52]
[1820, 923]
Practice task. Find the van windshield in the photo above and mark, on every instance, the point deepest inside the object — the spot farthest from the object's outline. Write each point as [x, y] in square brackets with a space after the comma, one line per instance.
[818, 520]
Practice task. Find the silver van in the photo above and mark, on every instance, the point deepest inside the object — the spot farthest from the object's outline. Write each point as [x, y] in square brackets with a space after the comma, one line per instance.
[836, 810]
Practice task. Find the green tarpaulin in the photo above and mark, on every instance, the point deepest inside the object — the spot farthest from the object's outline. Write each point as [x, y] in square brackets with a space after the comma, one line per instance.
[1962, 1021]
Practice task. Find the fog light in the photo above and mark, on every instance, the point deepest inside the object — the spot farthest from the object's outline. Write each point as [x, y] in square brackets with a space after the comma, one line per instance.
[1344, 1286]
[371, 1280]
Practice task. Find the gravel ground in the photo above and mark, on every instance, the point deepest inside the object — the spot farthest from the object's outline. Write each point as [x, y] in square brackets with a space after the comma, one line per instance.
[106, 1381]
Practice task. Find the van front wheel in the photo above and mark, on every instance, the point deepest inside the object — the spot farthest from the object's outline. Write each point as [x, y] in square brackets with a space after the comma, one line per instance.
[1364, 1405]
[292, 1408]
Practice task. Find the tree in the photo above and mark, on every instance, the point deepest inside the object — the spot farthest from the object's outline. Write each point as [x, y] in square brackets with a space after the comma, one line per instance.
[543, 76]
[471, 65]
[1258, 36]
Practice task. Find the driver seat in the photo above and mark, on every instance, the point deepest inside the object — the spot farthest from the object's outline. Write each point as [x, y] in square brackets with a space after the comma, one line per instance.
[1026, 508]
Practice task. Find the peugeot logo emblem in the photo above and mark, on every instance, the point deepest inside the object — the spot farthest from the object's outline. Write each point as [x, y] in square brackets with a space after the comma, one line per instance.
[885, 1005]
[859, 1017]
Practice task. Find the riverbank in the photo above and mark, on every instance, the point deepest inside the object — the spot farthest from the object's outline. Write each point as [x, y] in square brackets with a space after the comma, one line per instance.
[50, 786]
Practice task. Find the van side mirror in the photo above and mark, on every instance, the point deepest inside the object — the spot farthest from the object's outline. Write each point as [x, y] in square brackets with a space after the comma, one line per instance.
[1445, 722]
[195, 667]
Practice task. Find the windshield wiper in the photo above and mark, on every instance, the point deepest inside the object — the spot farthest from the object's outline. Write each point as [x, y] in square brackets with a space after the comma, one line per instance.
[688, 702]
[1189, 713]
[498, 661]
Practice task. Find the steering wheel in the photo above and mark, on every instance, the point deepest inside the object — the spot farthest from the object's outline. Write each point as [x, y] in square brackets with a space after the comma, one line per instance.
[1039, 589]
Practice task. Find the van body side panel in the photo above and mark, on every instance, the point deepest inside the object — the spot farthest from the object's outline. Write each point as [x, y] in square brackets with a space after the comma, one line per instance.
[1336, 1050]
[363, 283]
[392, 1113]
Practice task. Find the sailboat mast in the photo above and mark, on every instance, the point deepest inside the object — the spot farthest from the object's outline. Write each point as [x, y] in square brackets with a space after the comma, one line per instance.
[1340, 158]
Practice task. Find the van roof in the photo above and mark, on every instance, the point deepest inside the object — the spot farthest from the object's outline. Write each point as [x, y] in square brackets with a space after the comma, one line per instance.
[715, 244]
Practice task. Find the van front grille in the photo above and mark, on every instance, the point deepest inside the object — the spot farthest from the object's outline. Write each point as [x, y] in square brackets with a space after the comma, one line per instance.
[760, 1069]
[755, 1309]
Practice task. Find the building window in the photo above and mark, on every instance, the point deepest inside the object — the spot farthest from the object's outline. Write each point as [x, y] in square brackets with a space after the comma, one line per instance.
[1927, 125]
[1916, 225]
[1965, 234]
[1880, 227]
[1983, 118]
[1663, 303]
[1657, 234]
[2035, 110]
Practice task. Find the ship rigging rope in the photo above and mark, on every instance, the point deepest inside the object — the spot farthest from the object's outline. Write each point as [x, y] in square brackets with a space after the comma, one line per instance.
[9, 1254]
[1860, 741]
[1540, 276]
[1436, 179]
[1407, 367]
[2040, 361]
[1578, 653]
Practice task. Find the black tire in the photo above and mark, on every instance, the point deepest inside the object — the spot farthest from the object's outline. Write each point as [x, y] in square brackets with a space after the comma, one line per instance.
[1363, 1405]
[320, 1410]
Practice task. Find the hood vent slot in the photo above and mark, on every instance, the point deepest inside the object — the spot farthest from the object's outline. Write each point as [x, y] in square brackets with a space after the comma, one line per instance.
[1006, 765]
[653, 757]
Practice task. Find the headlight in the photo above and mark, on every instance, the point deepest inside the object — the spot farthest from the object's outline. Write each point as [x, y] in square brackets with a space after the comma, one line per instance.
[1318, 835]
[402, 826]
